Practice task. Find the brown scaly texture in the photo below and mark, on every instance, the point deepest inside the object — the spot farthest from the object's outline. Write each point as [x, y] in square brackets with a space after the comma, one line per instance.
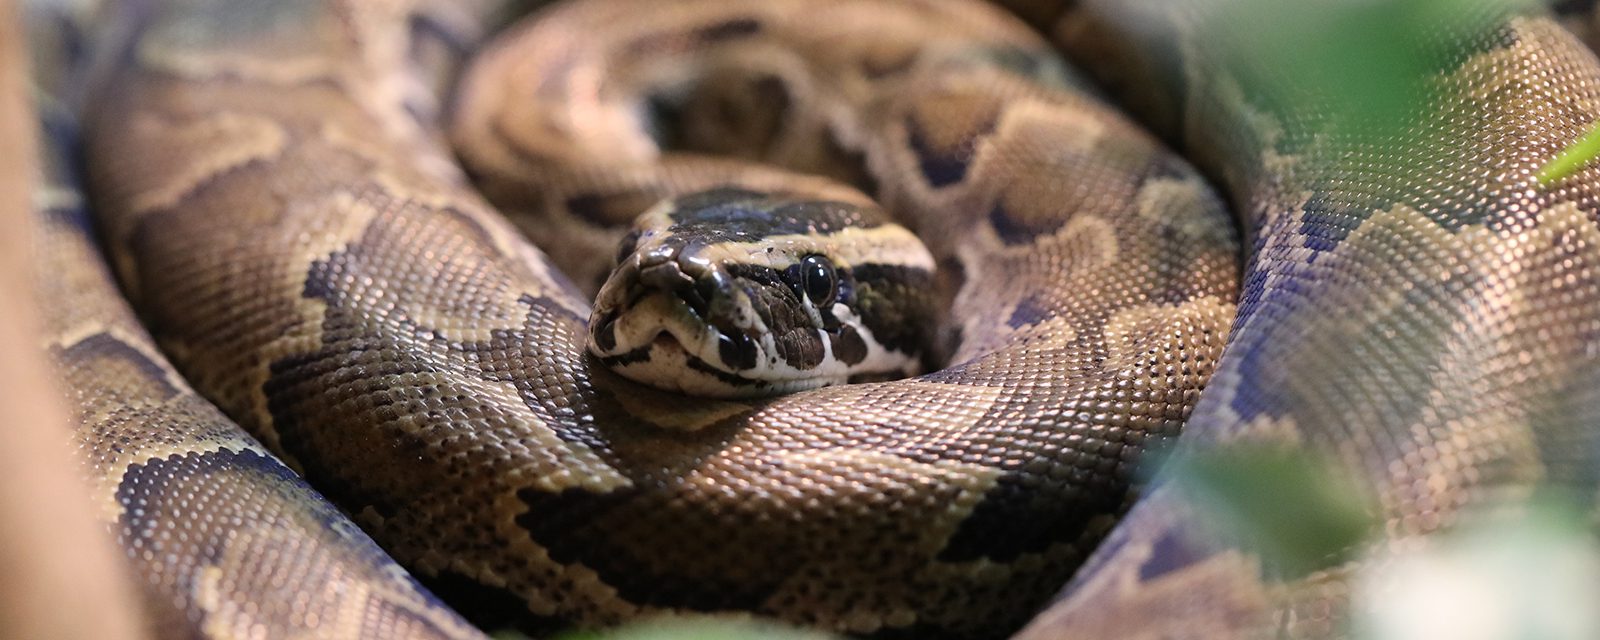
[226, 540]
[312, 262]
[1416, 306]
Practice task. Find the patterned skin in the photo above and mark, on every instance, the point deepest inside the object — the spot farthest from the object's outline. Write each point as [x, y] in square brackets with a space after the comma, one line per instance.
[227, 541]
[1421, 311]
[278, 207]
[1416, 307]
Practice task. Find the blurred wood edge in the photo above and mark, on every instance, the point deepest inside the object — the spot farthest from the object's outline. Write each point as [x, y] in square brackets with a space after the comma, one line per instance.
[60, 575]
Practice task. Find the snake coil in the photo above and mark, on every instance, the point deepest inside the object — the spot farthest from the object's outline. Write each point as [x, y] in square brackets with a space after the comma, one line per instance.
[273, 192]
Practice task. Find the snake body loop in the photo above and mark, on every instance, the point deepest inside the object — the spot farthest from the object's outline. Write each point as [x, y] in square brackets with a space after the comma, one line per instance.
[311, 263]
[225, 540]
[273, 190]
[1417, 306]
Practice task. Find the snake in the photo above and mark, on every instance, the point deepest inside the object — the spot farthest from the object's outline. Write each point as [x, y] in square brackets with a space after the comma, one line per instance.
[226, 540]
[275, 187]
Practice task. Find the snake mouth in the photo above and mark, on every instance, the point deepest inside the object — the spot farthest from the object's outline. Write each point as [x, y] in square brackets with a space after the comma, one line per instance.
[661, 322]
[663, 300]
[663, 317]
[661, 340]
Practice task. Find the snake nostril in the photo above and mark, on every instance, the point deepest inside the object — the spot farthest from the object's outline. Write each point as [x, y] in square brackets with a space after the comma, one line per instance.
[737, 350]
[700, 304]
[665, 276]
[605, 332]
[713, 284]
[710, 284]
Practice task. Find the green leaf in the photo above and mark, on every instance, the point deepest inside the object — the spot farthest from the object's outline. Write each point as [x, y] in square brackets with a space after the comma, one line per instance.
[1298, 512]
[1572, 158]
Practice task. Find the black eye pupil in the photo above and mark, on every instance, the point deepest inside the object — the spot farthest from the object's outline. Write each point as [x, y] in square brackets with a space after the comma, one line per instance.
[818, 279]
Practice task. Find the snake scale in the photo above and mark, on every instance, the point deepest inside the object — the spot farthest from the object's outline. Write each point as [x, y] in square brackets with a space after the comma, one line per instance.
[270, 186]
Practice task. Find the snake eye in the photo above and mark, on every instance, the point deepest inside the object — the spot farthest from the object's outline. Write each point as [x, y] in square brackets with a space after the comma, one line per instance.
[818, 280]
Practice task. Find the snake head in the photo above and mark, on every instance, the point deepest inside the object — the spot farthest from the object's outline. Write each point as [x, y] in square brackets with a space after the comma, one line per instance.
[735, 293]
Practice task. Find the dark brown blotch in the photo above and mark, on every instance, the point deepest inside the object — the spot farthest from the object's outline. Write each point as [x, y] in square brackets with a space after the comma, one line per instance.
[848, 346]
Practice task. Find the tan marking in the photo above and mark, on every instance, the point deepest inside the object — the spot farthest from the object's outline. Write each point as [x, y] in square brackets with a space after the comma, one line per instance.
[1168, 202]
[331, 603]
[227, 140]
[887, 244]
[562, 465]
[535, 275]
[1078, 130]
[1138, 333]
[973, 400]
[270, 49]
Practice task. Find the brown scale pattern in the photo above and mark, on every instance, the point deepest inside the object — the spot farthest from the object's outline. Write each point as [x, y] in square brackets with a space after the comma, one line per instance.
[311, 263]
[1417, 308]
[1442, 340]
[226, 540]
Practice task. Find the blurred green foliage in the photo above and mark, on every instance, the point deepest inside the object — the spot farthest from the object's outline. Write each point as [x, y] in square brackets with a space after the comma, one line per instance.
[1515, 565]
[1529, 569]
[1365, 66]
[1361, 70]
[1299, 512]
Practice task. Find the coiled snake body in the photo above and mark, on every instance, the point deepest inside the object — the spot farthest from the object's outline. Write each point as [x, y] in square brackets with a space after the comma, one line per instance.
[272, 195]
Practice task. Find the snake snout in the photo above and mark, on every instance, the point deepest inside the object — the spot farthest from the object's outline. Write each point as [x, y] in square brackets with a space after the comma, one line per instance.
[695, 281]
[664, 271]
[666, 289]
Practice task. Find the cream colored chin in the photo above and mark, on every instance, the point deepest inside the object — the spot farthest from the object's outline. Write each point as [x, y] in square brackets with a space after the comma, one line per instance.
[668, 369]
[673, 335]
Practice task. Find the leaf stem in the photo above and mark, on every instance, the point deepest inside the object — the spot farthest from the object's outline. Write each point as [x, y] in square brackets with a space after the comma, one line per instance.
[1572, 158]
